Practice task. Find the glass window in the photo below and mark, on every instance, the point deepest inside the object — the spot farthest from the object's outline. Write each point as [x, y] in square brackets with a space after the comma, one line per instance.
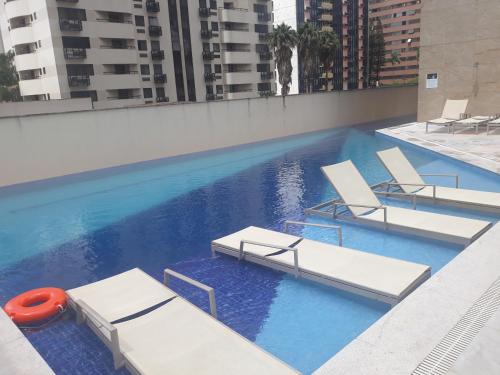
[155, 45]
[145, 69]
[218, 68]
[160, 92]
[139, 21]
[158, 69]
[215, 26]
[219, 89]
[216, 47]
[148, 93]
[142, 45]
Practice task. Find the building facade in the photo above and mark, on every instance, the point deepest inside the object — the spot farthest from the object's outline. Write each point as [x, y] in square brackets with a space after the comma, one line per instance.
[349, 20]
[401, 24]
[140, 51]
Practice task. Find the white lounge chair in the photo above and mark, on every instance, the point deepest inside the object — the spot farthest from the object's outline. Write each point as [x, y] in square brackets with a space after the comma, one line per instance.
[471, 122]
[453, 110]
[151, 330]
[410, 181]
[359, 199]
[493, 124]
[370, 275]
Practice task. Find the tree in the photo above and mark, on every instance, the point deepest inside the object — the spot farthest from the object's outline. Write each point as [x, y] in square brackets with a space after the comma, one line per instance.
[328, 45]
[394, 58]
[8, 78]
[376, 50]
[308, 46]
[282, 40]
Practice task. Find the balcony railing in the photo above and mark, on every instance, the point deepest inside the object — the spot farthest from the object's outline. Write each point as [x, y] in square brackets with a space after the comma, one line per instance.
[208, 55]
[265, 93]
[68, 1]
[264, 17]
[265, 56]
[162, 99]
[204, 12]
[160, 78]
[79, 80]
[158, 54]
[214, 97]
[68, 24]
[266, 75]
[210, 77]
[263, 37]
[152, 6]
[75, 53]
[206, 34]
[155, 30]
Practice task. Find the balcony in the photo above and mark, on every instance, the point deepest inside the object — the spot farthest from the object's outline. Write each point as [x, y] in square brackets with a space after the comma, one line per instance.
[67, 1]
[263, 17]
[213, 97]
[162, 99]
[206, 34]
[209, 77]
[78, 80]
[265, 56]
[263, 37]
[266, 93]
[68, 24]
[158, 54]
[208, 55]
[160, 78]
[266, 75]
[152, 6]
[155, 30]
[75, 53]
[204, 12]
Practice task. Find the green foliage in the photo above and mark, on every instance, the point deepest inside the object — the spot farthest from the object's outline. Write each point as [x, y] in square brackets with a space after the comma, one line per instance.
[9, 90]
[376, 50]
[308, 46]
[282, 40]
[394, 58]
[328, 45]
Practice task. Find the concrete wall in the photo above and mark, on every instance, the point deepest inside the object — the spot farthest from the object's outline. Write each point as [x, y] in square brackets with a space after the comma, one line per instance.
[44, 146]
[460, 40]
[44, 107]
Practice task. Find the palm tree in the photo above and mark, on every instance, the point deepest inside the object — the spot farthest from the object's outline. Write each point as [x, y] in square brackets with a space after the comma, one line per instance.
[282, 40]
[308, 43]
[328, 44]
[394, 58]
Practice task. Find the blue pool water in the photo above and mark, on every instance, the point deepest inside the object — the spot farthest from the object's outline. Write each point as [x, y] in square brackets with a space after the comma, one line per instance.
[72, 231]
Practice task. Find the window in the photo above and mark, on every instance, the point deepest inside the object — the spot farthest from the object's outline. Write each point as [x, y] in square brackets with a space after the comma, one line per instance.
[148, 93]
[153, 21]
[145, 69]
[219, 89]
[204, 25]
[142, 45]
[160, 92]
[216, 47]
[206, 47]
[155, 45]
[203, 3]
[213, 4]
[207, 68]
[139, 21]
[215, 26]
[210, 90]
[218, 68]
[158, 69]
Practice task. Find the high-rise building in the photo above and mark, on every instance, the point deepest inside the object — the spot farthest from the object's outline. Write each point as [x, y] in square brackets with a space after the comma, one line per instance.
[177, 50]
[349, 20]
[401, 24]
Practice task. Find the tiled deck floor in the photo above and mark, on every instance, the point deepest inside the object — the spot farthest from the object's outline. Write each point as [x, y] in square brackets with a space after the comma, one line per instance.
[480, 149]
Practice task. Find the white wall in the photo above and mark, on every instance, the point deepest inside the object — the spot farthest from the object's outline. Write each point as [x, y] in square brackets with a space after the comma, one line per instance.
[43, 146]
[44, 107]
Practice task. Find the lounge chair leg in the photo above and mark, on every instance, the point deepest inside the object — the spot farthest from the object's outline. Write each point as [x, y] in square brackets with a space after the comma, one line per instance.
[426, 127]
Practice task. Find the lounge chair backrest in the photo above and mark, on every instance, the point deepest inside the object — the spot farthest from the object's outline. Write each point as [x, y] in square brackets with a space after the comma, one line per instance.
[400, 169]
[351, 186]
[453, 108]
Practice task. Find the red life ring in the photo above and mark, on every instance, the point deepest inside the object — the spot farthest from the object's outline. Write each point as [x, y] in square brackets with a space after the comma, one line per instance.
[36, 305]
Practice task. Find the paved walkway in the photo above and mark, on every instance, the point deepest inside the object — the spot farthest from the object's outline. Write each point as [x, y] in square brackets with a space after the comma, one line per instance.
[478, 149]
[451, 324]
[17, 355]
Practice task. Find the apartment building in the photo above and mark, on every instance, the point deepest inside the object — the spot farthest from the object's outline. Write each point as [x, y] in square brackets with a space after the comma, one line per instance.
[401, 24]
[349, 20]
[139, 51]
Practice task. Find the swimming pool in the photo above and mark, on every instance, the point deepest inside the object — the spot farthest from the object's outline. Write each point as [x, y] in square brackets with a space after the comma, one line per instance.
[72, 231]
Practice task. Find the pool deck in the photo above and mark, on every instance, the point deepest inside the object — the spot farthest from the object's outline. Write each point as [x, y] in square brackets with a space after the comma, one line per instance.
[481, 150]
[450, 324]
[17, 355]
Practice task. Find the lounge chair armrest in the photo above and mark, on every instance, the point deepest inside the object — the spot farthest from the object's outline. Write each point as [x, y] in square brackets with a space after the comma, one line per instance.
[97, 319]
[456, 176]
[411, 184]
[168, 274]
[381, 207]
[327, 226]
[278, 247]
[389, 193]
